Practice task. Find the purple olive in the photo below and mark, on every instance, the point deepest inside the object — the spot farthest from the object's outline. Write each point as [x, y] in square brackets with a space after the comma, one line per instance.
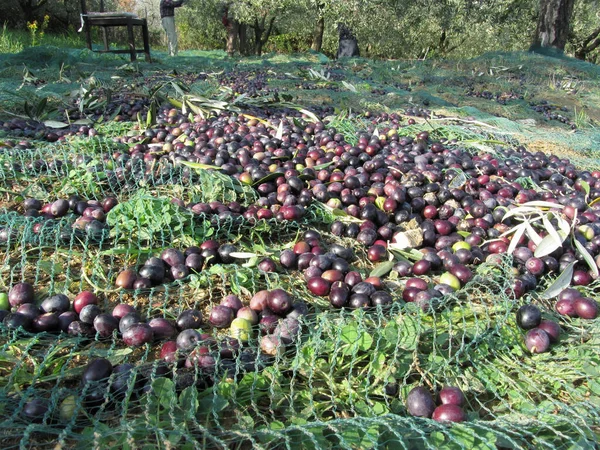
[449, 413]
[46, 322]
[451, 395]
[188, 339]
[194, 262]
[319, 286]
[82, 299]
[79, 328]
[179, 271]
[88, 313]
[21, 293]
[279, 301]
[566, 307]
[97, 370]
[58, 303]
[172, 257]
[552, 328]
[191, 318]
[128, 320]
[537, 341]
[138, 334]
[586, 308]
[339, 294]
[221, 316]
[232, 301]
[105, 324]
[258, 302]
[162, 328]
[65, 320]
[168, 352]
[122, 309]
[35, 410]
[419, 402]
[528, 317]
[17, 320]
[30, 310]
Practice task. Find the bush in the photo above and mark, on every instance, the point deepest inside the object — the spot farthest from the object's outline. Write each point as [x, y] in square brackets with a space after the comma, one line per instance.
[288, 43]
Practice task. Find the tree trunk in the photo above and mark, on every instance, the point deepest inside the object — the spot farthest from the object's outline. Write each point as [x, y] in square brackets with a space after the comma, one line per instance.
[232, 36]
[553, 25]
[243, 36]
[30, 8]
[317, 40]
[261, 36]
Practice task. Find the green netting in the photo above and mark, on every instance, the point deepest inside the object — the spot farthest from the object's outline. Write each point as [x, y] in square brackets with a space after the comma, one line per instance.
[344, 380]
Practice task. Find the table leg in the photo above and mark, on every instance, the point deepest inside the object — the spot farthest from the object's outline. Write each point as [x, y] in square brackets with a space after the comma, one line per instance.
[88, 35]
[105, 38]
[146, 41]
[131, 40]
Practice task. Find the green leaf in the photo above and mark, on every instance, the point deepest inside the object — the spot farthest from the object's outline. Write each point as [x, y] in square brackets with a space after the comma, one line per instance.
[589, 259]
[358, 339]
[272, 176]
[198, 166]
[188, 400]
[55, 124]
[562, 282]
[586, 188]
[382, 269]
[323, 166]
[243, 255]
[519, 231]
[279, 133]
[213, 403]
[549, 244]
[163, 389]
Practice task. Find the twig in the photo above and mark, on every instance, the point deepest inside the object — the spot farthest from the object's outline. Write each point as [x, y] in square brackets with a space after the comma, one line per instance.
[475, 122]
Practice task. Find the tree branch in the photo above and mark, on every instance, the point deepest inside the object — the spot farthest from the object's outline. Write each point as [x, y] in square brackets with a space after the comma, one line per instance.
[594, 46]
[268, 33]
[589, 39]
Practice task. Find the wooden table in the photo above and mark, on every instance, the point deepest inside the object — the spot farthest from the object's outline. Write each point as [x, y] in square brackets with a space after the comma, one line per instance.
[105, 20]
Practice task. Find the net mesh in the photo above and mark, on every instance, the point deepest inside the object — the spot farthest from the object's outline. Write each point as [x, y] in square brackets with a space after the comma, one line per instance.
[342, 384]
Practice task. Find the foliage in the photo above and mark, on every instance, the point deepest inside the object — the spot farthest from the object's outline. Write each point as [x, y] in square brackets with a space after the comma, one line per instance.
[37, 31]
[409, 29]
[8, 43]
[144, 217]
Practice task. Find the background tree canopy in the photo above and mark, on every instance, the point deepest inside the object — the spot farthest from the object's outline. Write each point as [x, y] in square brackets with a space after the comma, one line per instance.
[384, 28]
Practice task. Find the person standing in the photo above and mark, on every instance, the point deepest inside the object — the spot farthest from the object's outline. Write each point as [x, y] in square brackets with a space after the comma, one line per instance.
[167, 17]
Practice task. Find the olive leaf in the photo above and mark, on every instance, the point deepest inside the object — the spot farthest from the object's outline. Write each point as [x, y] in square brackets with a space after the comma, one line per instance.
[243, 255]
[586, 188]
[549, 244]
[589, 259]
[382, 269]
[200, 166]
[551, 230]
[514, 241]
[270, 177]
[562, 282]
[279, 133]
[323, 166]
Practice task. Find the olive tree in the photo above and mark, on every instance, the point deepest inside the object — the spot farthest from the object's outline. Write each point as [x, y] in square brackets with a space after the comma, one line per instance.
[553, 25]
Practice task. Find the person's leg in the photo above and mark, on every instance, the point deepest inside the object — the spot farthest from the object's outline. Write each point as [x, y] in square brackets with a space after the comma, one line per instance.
[168, 24]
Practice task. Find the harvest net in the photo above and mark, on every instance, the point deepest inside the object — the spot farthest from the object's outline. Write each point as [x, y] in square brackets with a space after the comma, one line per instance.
[341, 384]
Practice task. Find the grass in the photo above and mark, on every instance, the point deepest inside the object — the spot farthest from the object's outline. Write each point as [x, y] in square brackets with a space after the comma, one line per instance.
[9, 43]
[328, 390]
